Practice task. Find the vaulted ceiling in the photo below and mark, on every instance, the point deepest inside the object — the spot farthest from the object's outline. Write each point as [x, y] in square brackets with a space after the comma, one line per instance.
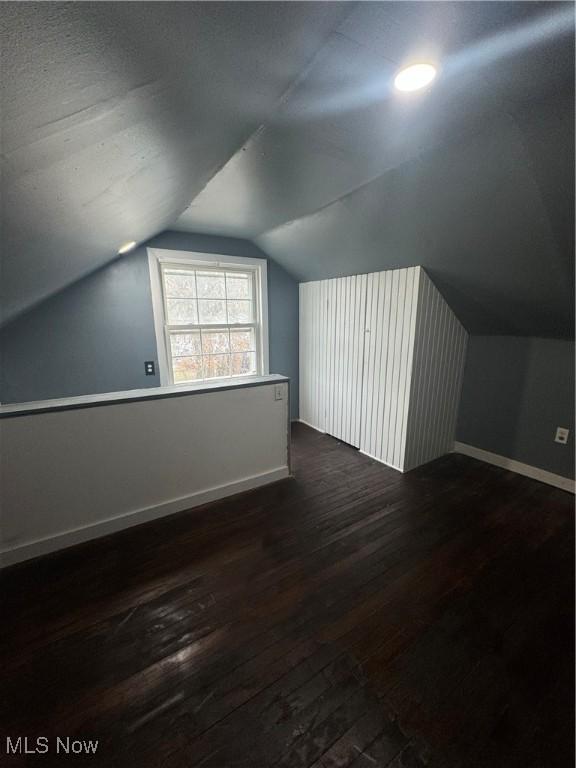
[276, 121]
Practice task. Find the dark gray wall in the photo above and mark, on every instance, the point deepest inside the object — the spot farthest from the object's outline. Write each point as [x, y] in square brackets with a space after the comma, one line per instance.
[516, 392]
[95, 335]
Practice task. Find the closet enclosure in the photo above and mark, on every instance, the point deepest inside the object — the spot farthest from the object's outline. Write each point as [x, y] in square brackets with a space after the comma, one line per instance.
[381, 364]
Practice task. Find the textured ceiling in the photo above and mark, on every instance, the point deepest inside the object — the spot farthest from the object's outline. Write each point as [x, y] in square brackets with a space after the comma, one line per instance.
[277, 122]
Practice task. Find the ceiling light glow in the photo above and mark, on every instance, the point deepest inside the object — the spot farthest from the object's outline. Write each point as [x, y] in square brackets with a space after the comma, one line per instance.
[414, 77]
[127, 247]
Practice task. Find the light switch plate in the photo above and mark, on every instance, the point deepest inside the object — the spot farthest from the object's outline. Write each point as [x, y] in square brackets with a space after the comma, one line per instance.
[278, 393]
[562, 435]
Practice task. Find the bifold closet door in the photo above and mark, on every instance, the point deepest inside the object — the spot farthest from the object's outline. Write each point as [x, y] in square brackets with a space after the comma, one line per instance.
[331, 353]
[312, 345]
[391, 307]
[345, 326]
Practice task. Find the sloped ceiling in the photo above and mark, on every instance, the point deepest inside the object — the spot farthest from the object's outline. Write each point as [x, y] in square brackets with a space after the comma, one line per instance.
[277, 122]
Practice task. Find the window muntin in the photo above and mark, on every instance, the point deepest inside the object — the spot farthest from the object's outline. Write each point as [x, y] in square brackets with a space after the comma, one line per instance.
[211, 322]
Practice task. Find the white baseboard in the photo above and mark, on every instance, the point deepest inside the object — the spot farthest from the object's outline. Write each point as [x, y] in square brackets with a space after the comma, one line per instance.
[565, 483]
[35, 548]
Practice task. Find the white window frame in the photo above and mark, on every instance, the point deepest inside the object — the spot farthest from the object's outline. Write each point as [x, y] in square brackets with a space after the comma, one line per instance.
[158, 257]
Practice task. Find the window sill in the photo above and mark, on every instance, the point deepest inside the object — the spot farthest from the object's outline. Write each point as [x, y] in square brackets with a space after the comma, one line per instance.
[135, 395]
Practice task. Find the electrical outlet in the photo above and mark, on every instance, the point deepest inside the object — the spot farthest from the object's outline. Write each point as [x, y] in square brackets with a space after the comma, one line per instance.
[149, 368]
[278, 392]
[562, 435]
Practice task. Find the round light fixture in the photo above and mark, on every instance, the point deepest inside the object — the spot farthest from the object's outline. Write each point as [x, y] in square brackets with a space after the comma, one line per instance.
[127, 247]
[414, 77]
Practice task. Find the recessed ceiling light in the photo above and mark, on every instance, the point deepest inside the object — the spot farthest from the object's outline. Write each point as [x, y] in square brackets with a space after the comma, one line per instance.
[127, 246]
[414, 77]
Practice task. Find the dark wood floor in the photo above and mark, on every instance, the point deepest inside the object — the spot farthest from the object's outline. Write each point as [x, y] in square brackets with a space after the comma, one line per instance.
[352, 616]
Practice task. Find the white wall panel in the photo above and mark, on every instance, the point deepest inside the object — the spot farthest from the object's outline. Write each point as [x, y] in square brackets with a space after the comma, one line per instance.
[69, 476]
[439, 355]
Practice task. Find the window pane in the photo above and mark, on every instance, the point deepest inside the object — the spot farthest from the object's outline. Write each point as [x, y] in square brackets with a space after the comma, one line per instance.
[187, 368]
[180, 284]
[239, 311]
[211, 285]
[205, 302]
[242, 340]
[181, 311]
[212, 311]
[215, 342]
[216, 366]
[238, 285]
[243, 363]
[185, 343]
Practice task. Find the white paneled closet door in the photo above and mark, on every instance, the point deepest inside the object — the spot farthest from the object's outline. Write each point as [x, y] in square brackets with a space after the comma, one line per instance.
[391, 307]
[345, 325]
[313, 345]
[332, 316]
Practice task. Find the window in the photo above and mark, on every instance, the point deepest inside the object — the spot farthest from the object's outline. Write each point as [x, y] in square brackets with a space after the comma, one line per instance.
[209, 316]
